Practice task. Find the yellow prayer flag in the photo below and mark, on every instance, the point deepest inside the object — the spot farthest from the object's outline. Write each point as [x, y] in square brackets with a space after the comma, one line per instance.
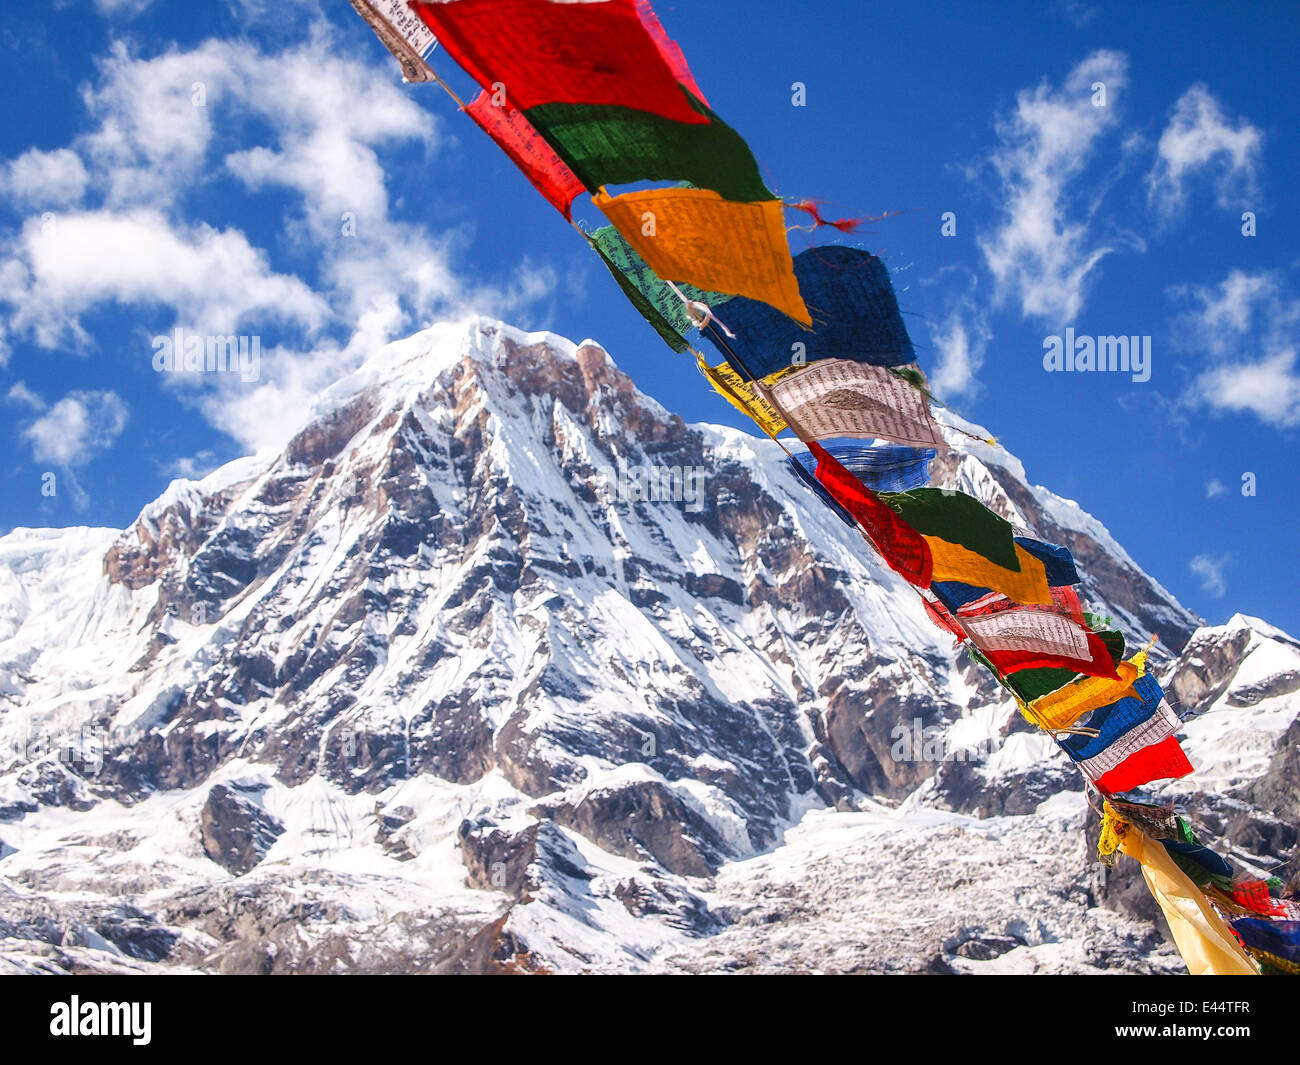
[696, 236]
[952, 562]
[1063, 707]
[736, 390]
[1203, 938]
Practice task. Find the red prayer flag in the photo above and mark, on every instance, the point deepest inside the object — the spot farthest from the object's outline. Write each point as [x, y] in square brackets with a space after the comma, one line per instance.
[560, 53]
[516, 137]
[1157, 762]
[1097, 664]
[938, 613]
[669, 49]
[901, 546]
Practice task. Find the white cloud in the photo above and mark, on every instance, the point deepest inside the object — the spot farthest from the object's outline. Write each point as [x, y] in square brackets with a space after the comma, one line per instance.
[1199, 139]
[211, 279]
[1209, 568]
[1268, 388]
[1246, 328]
[193, 467]
[1214, 488]
[20, 394]
[960, 341]
[44, 180]
[308, 120]
[1042, 252]
[122, 8]
[78, 426]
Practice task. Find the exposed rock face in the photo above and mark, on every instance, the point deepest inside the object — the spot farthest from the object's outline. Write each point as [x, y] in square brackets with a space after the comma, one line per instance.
[440, 638]
[236, 831]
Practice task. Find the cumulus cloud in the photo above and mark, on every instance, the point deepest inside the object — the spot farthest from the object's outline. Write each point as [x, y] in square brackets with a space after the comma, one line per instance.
[960, 341]
[20, 395]
[42, 180]
[1214, 488]
[1042, 253]
[76, 428]
[1245, 328]
[1209, 568]
[306, 123]
[214, 279]
[1200, 141]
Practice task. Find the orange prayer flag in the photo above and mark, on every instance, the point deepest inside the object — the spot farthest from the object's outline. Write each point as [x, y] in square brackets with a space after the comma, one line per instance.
[694, 235]
[952, 562]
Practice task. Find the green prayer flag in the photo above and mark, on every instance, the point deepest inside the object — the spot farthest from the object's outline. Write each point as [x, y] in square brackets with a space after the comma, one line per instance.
[608, 145]
[959, 519]
[649, 312]
[619, 255]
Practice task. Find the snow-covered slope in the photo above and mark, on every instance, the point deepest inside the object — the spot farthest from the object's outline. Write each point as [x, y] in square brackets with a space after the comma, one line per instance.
[437, 688]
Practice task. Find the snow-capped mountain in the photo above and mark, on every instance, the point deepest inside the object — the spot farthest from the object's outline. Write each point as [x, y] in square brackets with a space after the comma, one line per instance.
[499, 665]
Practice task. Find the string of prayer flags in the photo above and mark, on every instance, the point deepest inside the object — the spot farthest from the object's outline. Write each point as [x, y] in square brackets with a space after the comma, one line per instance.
[695, 235]
[1134, 742]
[527, 149]
[402, 33]
[538, 52]
[886, 468]
[838, 398]
[854, 312]
[902, 547]
[606, 145]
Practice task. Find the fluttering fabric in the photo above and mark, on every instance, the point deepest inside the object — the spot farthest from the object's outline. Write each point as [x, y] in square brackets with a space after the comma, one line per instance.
[527, 150]
[854, 312]
[1095, 662]
[546, 53]
[838, 398]
[1062, 708]
[886, 468]
[1135, 741]
[1204, 940]
[1111, 722]
[1056, 560]
[668, 48]
[695, 235]
[1278, 939]
[902, 547]
[1027, 584]
[808, 477]
[618, 252]
[959, 519]
[648, 310]
[739, 393]
[606, 145]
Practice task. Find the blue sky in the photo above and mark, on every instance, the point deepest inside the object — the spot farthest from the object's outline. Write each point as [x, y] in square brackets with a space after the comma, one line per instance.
[169, 164]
